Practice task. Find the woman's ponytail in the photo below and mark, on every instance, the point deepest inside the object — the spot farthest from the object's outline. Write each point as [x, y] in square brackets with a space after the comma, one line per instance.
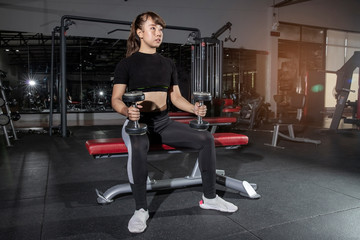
[133, 42]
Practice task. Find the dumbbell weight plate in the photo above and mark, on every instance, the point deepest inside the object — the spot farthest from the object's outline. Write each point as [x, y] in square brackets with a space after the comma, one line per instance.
[134, 96]
[4, 119]
[15, 116]
[202, 96]
[135, 128]
[200, 127]
[2, 102]
[140, 130]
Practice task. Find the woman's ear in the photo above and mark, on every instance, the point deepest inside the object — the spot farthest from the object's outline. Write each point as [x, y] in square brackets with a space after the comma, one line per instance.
[139, 33]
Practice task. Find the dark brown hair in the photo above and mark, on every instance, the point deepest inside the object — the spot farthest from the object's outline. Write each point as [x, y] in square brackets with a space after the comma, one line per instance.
[133, 42]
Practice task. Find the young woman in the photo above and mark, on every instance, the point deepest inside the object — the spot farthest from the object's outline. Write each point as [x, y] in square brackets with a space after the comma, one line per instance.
[145, 70]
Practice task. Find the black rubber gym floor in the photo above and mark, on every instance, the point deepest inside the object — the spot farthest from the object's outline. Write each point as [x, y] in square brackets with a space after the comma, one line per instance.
[47, 190]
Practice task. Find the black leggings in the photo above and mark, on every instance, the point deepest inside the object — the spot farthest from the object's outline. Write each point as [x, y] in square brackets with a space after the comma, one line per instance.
[161, 129]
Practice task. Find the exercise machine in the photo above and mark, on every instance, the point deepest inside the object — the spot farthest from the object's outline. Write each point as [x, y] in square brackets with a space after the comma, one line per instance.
[342, 88]
[6, 117]
[66, 22]
[254, 112]
[206, 63]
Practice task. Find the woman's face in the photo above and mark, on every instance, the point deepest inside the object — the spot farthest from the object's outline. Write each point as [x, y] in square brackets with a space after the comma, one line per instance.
[151, 35]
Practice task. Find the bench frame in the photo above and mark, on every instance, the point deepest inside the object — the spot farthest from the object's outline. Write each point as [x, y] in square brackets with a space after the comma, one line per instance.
[291, 136]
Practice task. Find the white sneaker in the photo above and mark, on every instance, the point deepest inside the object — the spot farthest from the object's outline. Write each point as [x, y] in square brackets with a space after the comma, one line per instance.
[218, 204]
[137, 223]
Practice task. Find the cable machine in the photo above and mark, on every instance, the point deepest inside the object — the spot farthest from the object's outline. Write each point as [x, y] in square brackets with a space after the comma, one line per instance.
[206, 63]
[66, 22]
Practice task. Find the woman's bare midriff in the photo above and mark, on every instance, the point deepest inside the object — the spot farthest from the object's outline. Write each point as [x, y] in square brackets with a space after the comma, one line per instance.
[154, 101]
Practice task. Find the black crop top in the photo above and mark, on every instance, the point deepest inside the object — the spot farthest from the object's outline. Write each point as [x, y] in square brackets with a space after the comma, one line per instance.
[146, 72]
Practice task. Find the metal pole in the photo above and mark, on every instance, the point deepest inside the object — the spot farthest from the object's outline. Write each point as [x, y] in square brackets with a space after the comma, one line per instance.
[63, 80]
[198, 68]
[216, 74]
[193, 68]
[220, 71]
[207, 77]
[212, 71]
[81, 79]
[358, 100]
[51, 83]
[196, 30]
[202, 64]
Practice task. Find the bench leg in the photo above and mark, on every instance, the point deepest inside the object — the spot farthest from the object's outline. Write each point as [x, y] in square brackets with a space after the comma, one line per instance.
[275, 137]
[290, 137]
[107, 197]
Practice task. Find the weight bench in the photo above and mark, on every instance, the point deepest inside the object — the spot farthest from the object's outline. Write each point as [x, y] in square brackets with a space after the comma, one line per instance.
[228, 107]
[295, 104]
[115, 147]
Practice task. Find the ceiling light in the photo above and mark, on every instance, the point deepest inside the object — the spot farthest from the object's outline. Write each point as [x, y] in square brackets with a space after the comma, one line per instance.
[32, 83]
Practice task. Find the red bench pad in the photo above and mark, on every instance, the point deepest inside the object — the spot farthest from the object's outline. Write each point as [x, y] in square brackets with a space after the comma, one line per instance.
[180, 114]
[117, 145]
[210, 120]
[231, 109]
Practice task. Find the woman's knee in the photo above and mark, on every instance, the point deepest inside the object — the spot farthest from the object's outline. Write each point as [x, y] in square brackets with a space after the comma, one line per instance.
[206, 138]
[140, 143]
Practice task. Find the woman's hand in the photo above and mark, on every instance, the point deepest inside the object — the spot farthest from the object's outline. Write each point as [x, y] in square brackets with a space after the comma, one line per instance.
[200, 110]
[133, 113]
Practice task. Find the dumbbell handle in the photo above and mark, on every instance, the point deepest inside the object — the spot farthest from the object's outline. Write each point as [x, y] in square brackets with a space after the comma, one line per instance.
[134, 127]
[199, 118]
[199, 124]
[136, 123]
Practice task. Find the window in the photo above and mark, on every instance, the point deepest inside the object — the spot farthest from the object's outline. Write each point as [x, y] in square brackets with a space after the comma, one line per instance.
[340, 47]
[301, 49]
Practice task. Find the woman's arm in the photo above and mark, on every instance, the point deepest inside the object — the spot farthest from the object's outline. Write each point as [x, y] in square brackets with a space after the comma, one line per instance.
[180, 102]
[119, 106]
